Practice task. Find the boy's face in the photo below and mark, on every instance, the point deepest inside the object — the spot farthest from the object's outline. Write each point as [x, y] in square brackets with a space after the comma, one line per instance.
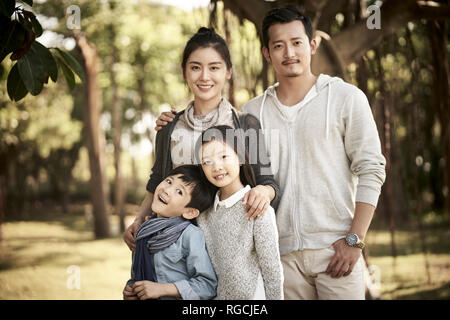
[289, 49]
[171, 197]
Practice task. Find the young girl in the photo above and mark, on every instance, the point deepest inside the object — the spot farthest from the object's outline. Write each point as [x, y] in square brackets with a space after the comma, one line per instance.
[244, 253]
[206, 66]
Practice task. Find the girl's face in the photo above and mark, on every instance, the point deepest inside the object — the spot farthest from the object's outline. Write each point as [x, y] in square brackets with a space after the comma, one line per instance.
[220, 164]
[206, 73]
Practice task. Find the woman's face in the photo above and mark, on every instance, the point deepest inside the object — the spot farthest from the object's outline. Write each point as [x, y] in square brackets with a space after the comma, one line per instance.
[220, 163]
[206, 73]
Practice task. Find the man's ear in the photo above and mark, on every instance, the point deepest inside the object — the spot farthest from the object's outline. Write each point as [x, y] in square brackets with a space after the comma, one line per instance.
[266, 54]
[190, 213]
[314, 45]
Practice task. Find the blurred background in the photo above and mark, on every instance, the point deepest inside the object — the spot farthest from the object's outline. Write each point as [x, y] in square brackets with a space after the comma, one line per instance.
[75, 158]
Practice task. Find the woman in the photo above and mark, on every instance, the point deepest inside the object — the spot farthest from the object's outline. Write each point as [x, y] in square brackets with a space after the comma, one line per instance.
[206, 66]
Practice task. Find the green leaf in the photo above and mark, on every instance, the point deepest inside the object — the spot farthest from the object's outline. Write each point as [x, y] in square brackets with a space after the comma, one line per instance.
[72, 63]
[7, 7]
[15, 86]
[37, 28]
[32, 71]
[28, 2]
[47, 60]
[68, 74]
[12, 38]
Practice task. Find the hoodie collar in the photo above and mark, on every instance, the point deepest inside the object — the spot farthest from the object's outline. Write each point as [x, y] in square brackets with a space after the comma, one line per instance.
[323, 81]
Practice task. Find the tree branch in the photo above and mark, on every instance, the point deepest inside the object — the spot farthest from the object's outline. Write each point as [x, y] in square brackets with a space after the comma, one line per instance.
[354, 41]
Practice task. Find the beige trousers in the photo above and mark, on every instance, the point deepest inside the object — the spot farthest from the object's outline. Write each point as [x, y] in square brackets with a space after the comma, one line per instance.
[305, 278]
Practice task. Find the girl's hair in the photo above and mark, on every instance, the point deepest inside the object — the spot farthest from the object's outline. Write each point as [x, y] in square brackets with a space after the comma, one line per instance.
[204, 38]
[234, 139]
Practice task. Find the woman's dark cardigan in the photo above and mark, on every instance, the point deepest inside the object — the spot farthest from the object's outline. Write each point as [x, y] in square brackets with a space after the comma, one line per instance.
[163, 162]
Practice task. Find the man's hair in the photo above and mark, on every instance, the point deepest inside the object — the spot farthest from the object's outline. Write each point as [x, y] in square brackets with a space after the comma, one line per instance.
[203, 192]
[285, 15]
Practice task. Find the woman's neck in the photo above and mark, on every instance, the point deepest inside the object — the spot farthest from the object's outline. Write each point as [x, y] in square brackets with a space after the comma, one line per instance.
[229, 190]
[202, 107]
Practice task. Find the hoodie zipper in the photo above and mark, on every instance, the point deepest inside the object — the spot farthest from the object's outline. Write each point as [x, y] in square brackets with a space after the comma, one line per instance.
[294, 183]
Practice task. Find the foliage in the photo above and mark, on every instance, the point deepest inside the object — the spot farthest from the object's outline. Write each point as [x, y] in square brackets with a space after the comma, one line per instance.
[35, 63]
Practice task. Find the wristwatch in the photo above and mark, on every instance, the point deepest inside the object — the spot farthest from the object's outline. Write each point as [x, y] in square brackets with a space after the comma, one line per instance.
[353, 240]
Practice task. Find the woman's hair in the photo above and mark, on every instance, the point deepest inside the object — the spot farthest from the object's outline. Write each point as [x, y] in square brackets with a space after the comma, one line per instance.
[205, 38]
[234, 139]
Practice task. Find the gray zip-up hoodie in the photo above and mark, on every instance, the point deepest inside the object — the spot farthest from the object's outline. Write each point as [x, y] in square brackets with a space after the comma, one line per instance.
[325, 159]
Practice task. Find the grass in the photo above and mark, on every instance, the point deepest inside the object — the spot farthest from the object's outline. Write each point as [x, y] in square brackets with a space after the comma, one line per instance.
[406, 276]
[35, 256]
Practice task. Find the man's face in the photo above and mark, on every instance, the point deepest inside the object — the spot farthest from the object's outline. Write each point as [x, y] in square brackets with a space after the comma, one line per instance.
[289, 49]
[171, 197]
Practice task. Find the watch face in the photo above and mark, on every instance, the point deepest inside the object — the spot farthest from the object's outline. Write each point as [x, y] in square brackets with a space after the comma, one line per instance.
[351, 239]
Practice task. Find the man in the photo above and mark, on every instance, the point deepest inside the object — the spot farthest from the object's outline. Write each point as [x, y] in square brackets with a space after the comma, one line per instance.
[325, 154]
[328, 164]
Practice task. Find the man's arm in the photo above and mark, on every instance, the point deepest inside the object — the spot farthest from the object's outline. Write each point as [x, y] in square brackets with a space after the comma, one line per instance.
[363, 148]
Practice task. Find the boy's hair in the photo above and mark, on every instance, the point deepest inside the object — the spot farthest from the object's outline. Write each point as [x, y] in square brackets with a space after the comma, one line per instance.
[203, 193]
[285, 15]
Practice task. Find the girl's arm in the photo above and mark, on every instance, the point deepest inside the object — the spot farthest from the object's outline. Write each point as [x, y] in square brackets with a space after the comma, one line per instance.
[265, 236]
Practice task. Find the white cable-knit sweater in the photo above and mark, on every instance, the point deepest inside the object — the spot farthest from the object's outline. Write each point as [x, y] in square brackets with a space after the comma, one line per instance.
[240, 249]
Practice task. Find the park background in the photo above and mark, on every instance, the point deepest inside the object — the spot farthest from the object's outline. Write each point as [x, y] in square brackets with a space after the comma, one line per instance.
[75, 157]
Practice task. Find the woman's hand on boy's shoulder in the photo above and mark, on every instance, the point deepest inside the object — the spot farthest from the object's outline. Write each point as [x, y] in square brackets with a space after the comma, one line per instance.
[257, 200]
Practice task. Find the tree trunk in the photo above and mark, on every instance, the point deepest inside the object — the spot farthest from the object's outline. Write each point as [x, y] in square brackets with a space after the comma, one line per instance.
[2, 201]
[386, 194]
[226, 20]
[117, 128]
[438, 38]
[94, 138]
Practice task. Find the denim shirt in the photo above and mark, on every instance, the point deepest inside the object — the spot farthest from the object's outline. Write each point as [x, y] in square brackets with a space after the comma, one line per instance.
[186, 264]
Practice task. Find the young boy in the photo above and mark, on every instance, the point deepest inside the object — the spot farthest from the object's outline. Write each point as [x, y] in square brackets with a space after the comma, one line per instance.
[171, 260]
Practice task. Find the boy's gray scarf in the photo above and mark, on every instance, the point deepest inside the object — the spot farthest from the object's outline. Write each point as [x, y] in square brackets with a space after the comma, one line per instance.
[161, 232]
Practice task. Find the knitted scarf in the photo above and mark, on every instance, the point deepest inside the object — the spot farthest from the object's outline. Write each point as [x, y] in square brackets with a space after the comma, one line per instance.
[220, 115]
[155, 235]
